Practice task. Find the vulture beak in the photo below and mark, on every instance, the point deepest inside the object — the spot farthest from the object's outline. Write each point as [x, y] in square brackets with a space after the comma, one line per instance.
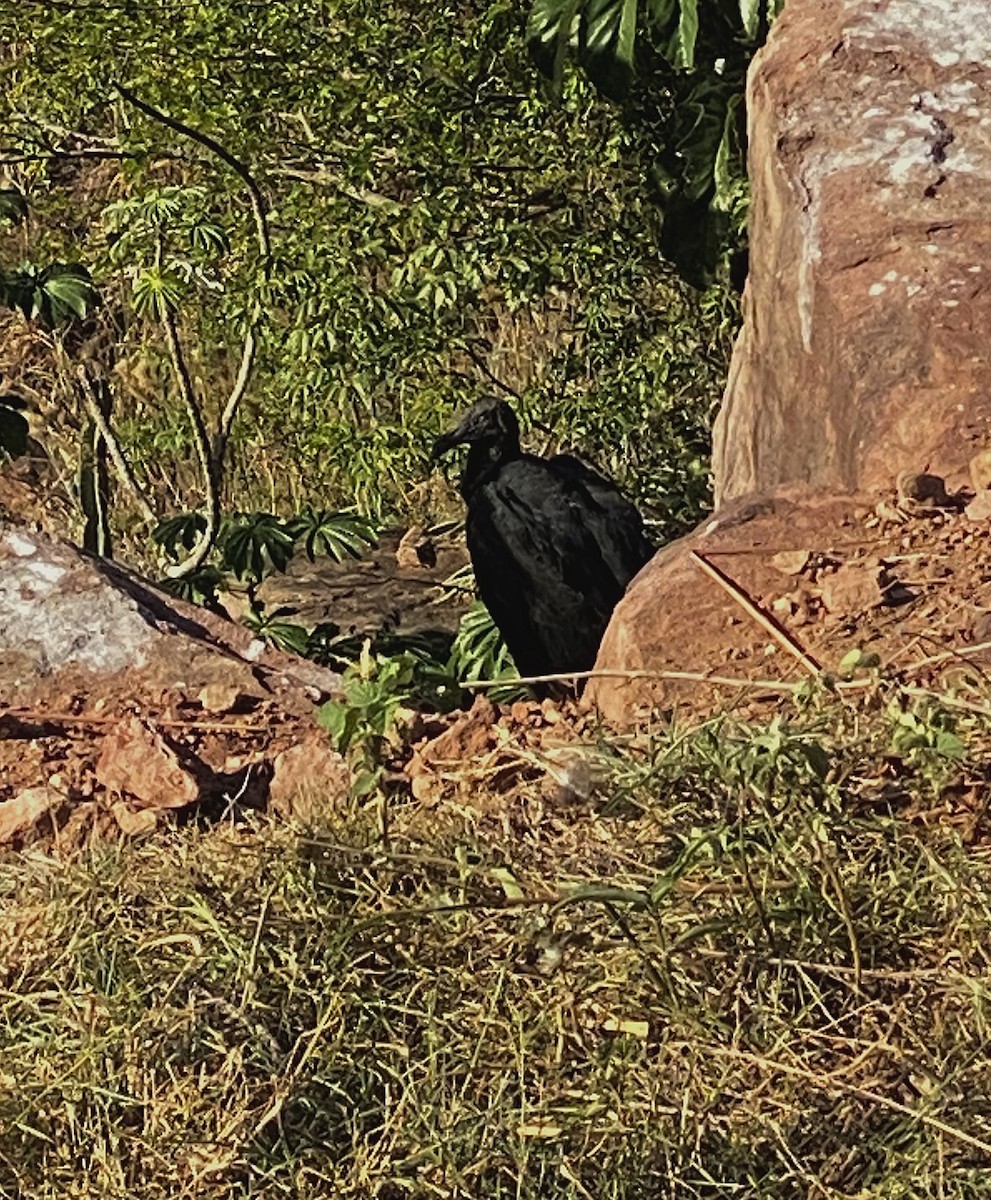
[447, 441]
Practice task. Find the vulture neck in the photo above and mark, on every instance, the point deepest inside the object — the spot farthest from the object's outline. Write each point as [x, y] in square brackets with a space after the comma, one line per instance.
[486, 459]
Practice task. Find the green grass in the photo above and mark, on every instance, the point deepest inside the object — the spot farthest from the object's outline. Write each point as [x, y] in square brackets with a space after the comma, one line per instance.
[758, 965]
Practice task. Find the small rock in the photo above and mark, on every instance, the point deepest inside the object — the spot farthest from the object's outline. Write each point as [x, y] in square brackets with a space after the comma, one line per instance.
[852, 590]
[221, 698]
[791, 562]
[23, 811]
[135, 761]
[979, 509]
[134, 822]
[415, 550]
[980, 471]
[469, 736]
[307, 780]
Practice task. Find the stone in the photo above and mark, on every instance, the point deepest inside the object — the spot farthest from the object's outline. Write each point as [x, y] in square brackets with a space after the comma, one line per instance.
[22, 812]
[223, 698]
[468, 737]
[791, 562]
[863, 350]
[416, 550]
[134, 823]
[673, 618]
[851, 590]
[308, 780]
[979, 509]
[980, 471]
[136, 762]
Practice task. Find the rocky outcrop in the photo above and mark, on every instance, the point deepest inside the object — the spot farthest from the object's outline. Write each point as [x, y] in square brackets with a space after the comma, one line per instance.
[116, 699]
[862, 366]
[864, 346]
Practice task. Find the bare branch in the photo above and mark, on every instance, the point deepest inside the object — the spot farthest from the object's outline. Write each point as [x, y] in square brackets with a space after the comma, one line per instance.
[201, 441]
[254, 191]
[89, 390]
[214, 466]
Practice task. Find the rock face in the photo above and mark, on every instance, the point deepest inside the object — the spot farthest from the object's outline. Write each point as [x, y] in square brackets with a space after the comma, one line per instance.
[863, 357]
[864, 346]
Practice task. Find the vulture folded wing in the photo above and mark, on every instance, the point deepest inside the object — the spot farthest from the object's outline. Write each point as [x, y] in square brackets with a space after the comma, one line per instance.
[615, 523]
[542, 570]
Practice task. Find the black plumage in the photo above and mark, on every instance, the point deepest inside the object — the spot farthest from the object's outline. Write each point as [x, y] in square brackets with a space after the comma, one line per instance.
[553, 543]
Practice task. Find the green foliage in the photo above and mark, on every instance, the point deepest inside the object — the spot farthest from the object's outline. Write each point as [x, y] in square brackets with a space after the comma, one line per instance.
[197, 587]
[274, 629]
[178, 534]
[254, 544]
[52, 295]
[335, 534]
[693, 54]
[478, 652]
[927, 738]
[376, 690]
[429, 210]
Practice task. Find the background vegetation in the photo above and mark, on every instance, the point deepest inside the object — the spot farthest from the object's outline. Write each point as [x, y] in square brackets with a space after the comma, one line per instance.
[437, 216]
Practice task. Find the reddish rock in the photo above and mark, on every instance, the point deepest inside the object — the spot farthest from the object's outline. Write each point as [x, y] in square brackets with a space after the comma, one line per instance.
[136, 762]
[469, 736]
[23, 811]
[308, 780]
[864, 347]
[853, 589]
[674, 619]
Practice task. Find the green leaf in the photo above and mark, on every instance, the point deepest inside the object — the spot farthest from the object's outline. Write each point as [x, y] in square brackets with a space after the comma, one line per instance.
[183, 530]
[252, 546]
[682, 52]
[336, 534]
[551, 29]
[199, 587]
[209, 238]
[157, 293]
[67, 290]
[285, 635]
[13, 206]
[750, 16]
[606, 42]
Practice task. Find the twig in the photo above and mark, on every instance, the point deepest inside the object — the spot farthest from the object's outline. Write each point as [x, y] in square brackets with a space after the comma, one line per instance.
[764, 685]
[829, 1083]
[35, 716]
[765, 620]
[201, 440]
[946, 656]
[204, 139]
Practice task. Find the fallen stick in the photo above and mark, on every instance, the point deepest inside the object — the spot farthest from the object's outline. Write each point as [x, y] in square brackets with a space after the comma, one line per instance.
[768, 623]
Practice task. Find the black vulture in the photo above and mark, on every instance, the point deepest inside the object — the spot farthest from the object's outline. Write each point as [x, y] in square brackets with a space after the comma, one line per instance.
[553, 543]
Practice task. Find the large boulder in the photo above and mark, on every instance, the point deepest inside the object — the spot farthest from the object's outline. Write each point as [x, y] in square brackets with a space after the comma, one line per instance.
[862, 365]
[864, 345]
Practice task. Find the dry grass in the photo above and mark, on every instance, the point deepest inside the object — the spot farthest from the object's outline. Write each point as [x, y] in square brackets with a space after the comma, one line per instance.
[759, 966]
